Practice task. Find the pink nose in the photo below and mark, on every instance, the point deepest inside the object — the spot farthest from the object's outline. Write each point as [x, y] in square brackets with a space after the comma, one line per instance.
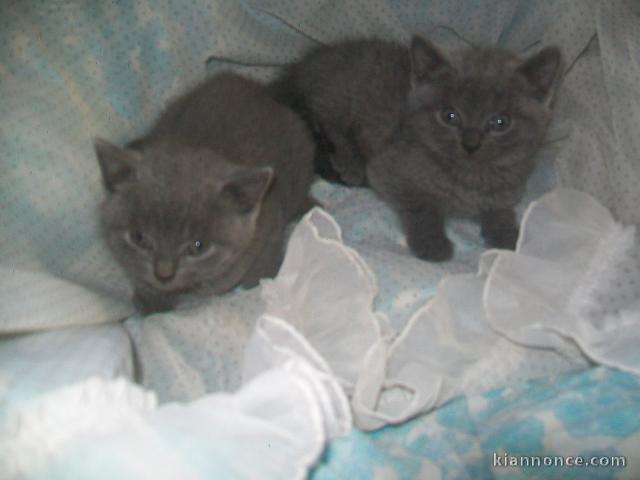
[164, 270]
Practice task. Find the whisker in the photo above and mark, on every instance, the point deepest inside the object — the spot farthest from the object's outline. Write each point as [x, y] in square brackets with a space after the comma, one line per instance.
[530, 46]
[290, 25]
[556, 140]
[454, 31]
[582, 52]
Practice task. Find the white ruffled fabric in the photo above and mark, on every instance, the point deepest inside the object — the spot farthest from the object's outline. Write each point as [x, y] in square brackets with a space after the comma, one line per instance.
[525, 314]
[32, 434]
[274, 427]
[574, 254]
[326, 291]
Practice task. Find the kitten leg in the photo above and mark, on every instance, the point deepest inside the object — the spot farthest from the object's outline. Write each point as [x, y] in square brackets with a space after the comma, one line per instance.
[499, 228]
[309, 203]
[148, 302]
[268, 262]
[426, 237]
[346, 160]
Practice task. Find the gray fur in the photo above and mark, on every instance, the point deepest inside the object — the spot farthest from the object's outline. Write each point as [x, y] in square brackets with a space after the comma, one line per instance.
[225, 166]
[380, 106]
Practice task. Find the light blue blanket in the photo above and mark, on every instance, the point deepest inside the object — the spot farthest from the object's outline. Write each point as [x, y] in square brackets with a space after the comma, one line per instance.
[70, 71]
[593, 414]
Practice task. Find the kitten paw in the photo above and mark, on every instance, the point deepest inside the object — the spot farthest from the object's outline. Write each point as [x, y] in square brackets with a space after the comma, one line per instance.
[350, 170]
[147, 304]
[353, 176]
[504, 238]
[500, 228]
[433, 249]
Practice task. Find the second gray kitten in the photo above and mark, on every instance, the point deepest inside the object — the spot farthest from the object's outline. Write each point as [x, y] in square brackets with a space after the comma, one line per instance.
[434, 135]
[200, 204]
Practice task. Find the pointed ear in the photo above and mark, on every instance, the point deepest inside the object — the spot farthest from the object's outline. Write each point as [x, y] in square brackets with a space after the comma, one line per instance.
[427, 62]
[246, 190]
[116, 163]
[542, 70]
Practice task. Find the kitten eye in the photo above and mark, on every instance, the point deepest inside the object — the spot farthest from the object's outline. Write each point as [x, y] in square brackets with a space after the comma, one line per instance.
[137, 238]
[450, 117]
[500, 123]
[196, 248]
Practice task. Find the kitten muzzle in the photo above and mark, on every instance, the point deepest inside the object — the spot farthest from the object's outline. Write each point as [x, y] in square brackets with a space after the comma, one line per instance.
[472, 140]
[164, 270]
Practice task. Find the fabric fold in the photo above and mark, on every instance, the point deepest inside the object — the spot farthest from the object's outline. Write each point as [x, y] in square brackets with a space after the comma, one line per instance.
[276, 424]
[321, 359]
[326, 291]
[525, 314]
[561, 295]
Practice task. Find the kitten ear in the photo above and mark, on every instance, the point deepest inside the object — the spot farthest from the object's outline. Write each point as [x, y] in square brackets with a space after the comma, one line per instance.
[247, 190]
[542, 71]
[116, 163]
[427, 62]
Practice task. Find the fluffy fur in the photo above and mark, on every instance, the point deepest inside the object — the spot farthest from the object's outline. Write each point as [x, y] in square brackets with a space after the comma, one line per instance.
[433, 134]
[200, 204]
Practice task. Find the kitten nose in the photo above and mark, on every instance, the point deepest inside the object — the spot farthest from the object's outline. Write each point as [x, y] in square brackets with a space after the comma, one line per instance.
[471, 140]
[164, 270]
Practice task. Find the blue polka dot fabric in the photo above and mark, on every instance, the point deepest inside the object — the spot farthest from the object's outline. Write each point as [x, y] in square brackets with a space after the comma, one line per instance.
[535, 430]
[74, 71]
[71, 71]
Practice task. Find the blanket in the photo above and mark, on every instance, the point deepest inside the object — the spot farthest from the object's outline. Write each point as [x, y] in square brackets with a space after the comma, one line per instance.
[392, 341]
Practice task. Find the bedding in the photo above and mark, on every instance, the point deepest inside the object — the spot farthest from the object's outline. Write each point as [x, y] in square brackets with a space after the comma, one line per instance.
[590, 413]
[70, 72]
[305, 370]
[40, 363]
[73, 72]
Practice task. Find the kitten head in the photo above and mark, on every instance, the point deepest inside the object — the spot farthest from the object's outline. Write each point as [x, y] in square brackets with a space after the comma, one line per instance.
[481, 108]
[177, 218]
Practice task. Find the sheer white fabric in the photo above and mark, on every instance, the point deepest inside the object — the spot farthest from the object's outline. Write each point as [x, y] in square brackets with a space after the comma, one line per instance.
[525, 314]
[574, 254]
[274, 427]
[326, 291]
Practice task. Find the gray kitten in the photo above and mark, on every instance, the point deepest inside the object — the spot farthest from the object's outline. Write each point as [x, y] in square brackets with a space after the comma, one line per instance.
[200, 204]
[434, 135]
